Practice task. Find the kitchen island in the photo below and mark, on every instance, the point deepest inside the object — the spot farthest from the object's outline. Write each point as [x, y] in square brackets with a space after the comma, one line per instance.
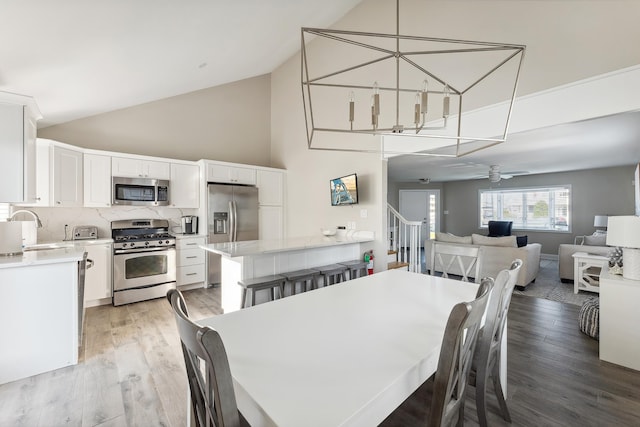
[257, 258]
[39, 322]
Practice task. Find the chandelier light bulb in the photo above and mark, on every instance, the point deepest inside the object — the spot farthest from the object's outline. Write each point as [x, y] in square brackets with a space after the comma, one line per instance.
[425, 96]
[445, 101]
[351, 107]
[416, 116]
[376, 100]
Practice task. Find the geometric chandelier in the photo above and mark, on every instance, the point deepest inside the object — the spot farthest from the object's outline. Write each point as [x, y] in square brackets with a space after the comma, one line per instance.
[424, 95]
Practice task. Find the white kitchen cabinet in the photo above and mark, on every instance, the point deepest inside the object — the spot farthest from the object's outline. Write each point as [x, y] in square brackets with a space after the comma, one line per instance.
[138, 168]
[230, 174]
[59, 179]
[270, 187]
[18, 117]
[271, 222]
[67, 177]
[97, 180]
[190, 260]
[97, 285]
[185, 186]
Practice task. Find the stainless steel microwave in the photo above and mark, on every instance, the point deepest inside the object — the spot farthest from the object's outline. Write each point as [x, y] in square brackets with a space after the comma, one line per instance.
[140, 191]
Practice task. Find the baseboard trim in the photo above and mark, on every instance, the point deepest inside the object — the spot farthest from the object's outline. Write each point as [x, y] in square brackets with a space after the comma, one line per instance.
[550, 257]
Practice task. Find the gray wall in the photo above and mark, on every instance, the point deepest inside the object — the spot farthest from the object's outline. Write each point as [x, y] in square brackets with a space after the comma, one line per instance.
[607, 191]
[230, 123]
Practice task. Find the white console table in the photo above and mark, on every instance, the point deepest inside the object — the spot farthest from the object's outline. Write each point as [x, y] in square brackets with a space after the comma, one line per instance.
[586, 271]
[619, 319]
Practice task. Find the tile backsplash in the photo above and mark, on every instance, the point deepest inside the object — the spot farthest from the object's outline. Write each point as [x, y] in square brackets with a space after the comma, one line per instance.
[55, 219]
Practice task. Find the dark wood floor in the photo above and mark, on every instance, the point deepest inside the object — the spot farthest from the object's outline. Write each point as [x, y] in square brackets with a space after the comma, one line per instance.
[132, 373]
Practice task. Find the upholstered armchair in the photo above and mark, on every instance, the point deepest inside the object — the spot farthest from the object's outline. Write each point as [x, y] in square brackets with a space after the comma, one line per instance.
[500, 228]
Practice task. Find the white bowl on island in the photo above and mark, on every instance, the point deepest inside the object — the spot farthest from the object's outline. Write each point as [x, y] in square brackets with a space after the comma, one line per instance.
[328, 231]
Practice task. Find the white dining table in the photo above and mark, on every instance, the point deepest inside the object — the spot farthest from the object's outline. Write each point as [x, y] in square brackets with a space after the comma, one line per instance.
[343, 355]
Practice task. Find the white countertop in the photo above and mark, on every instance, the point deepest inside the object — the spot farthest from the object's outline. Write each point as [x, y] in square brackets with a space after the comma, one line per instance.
[41, 257]
[257, 247]
[69, 244]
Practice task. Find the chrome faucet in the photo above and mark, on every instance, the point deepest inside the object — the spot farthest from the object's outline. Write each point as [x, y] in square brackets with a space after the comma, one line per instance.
[33, 214]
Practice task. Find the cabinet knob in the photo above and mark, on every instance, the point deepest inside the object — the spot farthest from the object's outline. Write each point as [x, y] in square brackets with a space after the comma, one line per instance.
[58, 202]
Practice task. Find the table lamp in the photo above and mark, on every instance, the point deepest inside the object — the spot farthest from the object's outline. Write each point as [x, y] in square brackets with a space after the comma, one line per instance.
[624, 231]
[600, 221]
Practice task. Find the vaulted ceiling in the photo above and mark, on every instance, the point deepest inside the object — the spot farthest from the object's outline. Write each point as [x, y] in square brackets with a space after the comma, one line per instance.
[80, 58]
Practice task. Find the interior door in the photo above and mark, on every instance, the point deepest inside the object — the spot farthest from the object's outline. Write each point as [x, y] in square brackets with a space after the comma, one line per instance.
[422, 205]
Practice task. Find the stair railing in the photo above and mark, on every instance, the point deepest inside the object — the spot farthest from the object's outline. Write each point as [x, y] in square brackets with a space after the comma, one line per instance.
[404, 238]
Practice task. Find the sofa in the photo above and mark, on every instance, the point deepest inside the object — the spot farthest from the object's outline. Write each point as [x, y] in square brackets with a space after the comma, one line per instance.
[496, 253]
[595, 244]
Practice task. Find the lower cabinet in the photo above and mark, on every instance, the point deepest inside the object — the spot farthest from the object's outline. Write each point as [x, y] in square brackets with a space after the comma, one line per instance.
[97, 282]
[190, 260]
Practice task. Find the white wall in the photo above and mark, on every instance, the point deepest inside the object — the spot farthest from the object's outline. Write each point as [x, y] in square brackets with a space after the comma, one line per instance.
[309, 171]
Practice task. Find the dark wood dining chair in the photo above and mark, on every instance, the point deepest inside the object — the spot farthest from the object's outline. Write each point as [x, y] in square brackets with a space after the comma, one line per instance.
[486, 361]
[212, 396]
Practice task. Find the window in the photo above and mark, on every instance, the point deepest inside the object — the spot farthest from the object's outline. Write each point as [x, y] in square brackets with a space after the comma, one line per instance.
[543, 208]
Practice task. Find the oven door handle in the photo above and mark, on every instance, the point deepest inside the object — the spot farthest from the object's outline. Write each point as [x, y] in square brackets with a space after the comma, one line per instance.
[139, 250]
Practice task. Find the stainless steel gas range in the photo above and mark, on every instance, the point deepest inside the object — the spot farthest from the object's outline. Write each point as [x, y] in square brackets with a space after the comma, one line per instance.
[144, 260]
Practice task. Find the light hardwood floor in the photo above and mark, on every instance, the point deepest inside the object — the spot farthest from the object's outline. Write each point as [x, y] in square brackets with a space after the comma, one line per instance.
[132, 373]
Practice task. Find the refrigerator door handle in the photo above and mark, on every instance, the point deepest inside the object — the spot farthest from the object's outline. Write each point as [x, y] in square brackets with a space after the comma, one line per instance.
[232, 223]
[235, 221]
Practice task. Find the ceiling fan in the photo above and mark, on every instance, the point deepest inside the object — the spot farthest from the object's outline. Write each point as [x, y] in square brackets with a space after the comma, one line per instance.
[495, 175]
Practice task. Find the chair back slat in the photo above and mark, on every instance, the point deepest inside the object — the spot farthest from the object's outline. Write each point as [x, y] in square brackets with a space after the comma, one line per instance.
[209, 376]
[466, 258]
[456, 355]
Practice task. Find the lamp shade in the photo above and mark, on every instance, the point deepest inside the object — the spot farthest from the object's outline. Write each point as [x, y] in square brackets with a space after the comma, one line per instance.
[624, 231]
[600, 221]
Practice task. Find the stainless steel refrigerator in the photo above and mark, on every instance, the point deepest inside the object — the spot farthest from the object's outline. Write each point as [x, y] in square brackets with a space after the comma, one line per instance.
[232, 216]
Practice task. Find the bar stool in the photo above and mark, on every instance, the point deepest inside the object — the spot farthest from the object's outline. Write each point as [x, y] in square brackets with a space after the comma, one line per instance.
[303, 277]
[332, 273]
[356, 268]
[250, 286]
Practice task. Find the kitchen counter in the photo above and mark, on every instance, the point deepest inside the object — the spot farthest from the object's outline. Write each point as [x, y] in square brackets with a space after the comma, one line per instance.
[40, 320]
[257, 247]
[257, 258]
[43, 257]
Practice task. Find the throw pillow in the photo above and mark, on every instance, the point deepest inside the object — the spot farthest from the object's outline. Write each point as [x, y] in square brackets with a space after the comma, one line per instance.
[451, 238]
[507, 241]
[522, 241]
[596, 240]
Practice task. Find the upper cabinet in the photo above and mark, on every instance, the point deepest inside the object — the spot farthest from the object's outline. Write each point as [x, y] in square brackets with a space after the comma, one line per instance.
[137, 168]
[97, 180]
[270, 187]
[18, 116]
[67, 177]
[230, 174]
[60, 175]
[184, 189]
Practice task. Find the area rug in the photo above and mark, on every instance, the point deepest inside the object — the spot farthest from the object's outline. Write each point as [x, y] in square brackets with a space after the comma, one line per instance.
[549, 286]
